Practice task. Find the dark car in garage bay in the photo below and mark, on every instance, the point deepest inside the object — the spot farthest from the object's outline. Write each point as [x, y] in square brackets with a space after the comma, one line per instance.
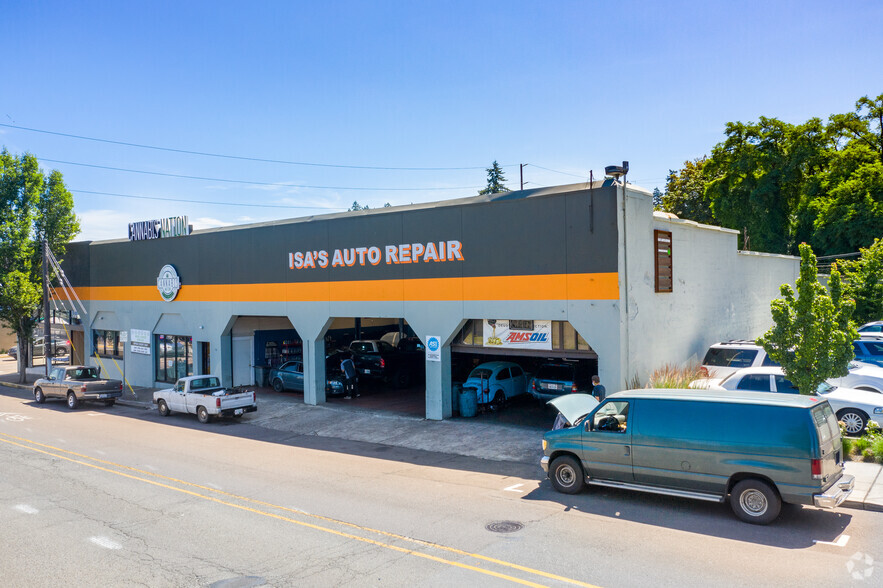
[290, 375]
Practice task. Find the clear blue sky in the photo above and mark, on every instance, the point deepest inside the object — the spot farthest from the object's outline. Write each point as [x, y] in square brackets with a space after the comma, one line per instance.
[567, 86]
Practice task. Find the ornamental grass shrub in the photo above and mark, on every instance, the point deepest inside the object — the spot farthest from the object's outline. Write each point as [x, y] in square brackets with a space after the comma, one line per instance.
[868, 447]
[877, 449]
[672, 376]
[847, 445]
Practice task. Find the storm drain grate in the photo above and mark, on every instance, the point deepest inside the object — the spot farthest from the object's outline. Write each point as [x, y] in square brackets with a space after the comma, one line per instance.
[504, 526]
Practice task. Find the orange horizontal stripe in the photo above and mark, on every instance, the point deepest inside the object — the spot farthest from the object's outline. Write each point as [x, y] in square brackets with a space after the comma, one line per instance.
[600, 286]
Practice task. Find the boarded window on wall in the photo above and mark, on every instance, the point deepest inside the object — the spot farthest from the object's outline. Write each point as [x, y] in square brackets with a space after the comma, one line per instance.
[662, 255]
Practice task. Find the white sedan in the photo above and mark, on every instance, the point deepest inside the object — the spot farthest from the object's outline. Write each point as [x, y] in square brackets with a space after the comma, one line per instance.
[853, 407]
[862, 376]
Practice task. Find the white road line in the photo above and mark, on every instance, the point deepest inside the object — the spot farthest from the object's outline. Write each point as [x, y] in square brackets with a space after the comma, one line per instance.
[514, 488]
[26, 508]
[105, 542]
[841, 541]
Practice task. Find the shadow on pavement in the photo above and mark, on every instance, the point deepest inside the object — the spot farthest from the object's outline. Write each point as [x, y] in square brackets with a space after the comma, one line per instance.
[797, 527]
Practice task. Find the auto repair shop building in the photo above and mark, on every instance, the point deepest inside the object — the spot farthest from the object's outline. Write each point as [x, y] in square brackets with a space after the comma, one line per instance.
[585, 271]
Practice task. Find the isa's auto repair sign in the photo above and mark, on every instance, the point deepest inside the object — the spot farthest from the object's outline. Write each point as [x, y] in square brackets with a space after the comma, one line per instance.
[517, 334]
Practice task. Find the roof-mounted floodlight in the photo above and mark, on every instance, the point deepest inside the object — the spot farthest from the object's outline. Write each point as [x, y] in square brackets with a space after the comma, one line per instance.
[617, 171]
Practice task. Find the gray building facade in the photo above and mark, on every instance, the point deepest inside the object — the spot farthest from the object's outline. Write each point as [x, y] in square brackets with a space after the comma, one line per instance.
[582, 256]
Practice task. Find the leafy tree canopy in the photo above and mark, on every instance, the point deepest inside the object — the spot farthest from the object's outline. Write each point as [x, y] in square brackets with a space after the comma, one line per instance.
[685, 192]
[783, 184]
[863, 282]
[33, 208]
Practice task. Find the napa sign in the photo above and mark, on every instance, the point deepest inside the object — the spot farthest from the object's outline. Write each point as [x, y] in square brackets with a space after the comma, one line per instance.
[162, 228]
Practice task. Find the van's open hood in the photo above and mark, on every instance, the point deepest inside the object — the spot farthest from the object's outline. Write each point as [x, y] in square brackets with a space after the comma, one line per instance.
[574, 406]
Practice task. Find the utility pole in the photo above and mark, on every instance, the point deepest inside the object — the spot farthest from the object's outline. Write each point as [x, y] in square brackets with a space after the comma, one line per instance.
[47, 325]
[521, 167]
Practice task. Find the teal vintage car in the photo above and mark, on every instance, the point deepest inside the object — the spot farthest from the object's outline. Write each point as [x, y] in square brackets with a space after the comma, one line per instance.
[755, 449]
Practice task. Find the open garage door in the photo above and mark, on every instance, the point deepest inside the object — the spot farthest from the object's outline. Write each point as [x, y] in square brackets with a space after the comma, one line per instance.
[389, 359]
[262, 346]
[555, 360]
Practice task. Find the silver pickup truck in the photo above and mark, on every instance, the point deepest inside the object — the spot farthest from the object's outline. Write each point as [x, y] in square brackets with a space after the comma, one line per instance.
[205, 397]
[76, 384]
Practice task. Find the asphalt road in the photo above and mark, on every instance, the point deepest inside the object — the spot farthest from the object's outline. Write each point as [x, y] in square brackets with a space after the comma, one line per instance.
[120, 496]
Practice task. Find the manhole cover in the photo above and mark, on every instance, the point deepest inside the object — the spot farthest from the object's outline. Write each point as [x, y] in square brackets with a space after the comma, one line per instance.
[504, 526]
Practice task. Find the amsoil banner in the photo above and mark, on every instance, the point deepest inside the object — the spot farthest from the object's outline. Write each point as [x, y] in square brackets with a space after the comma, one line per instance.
[517, 334]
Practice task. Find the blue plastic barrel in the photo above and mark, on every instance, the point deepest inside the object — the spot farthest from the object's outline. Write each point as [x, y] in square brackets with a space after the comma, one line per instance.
[456, 390]
[468, 403]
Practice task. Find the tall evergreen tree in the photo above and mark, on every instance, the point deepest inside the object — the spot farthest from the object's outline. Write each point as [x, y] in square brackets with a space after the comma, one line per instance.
[495, 180]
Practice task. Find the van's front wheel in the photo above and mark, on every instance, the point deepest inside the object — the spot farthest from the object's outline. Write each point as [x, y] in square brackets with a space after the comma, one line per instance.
[755, 502]
[566, 475]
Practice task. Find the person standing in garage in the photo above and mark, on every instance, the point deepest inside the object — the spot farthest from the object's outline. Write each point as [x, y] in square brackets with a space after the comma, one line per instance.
[350, 382]
[598, 390]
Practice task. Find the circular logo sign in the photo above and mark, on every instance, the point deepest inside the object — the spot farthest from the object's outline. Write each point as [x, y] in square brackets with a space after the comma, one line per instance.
[433, 343]
[168, 283]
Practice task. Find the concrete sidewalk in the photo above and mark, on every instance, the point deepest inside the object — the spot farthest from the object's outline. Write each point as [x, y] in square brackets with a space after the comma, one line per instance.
[473, 437]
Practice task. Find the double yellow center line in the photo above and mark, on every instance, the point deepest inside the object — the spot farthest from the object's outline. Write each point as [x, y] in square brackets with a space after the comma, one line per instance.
[252, 505]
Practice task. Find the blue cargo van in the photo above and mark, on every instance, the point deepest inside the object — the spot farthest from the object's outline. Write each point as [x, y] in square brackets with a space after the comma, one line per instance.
[755, 449]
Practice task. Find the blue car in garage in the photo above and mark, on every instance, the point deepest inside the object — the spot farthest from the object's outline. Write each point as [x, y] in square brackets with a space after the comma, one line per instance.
[496, 382]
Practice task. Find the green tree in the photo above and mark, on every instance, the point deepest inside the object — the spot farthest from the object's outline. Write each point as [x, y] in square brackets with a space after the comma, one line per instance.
[812, 334]
[685, 192]
[657, 198]
[863, 282]
[850, 214]
[844, 207]
[32, 208]
[759, 176]
[495, 180]
[864, 126]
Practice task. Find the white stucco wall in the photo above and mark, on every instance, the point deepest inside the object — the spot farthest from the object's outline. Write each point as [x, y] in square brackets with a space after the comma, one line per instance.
[718, 292]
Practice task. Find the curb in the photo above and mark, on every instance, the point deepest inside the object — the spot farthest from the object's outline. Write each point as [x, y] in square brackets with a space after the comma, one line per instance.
[134, 403]
[18, 386]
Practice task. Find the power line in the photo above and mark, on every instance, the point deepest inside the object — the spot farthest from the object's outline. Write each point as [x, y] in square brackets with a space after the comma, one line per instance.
[204, 201]
[152, 173]
[240, 157]
[581, 176]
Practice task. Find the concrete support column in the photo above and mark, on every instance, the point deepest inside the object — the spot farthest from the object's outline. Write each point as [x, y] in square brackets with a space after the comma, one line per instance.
[226, 360]
[439, 403]
[445, 323]
[602, 331]
[312, 328]
[222, 350]
[314, 370]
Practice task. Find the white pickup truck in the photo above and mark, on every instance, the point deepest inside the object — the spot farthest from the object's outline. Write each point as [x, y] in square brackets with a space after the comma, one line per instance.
[205, 397]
